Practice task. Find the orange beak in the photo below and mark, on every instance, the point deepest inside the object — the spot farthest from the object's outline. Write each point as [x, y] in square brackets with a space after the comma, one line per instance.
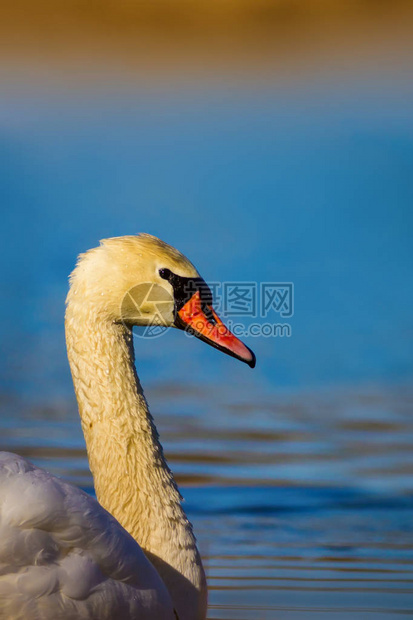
[200, 319]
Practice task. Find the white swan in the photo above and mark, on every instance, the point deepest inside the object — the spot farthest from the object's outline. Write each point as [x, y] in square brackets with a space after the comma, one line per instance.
[63, 555]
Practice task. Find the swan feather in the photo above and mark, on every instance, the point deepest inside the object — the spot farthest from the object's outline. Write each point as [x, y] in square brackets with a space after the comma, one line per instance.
[64, 556]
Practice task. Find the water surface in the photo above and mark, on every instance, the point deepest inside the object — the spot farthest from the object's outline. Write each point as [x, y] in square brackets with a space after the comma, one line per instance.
[297, 475]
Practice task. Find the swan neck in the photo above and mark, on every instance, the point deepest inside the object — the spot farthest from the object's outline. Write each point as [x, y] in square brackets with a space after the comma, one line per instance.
[131, 477]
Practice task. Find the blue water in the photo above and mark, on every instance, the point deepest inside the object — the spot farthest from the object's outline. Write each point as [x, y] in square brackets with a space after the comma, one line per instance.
[304, 464]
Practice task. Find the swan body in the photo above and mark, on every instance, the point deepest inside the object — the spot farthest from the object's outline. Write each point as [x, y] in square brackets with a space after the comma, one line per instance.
[132, 553]
[63, 556]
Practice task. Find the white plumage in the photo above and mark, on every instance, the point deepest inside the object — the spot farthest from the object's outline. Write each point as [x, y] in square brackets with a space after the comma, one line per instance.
[63, 556]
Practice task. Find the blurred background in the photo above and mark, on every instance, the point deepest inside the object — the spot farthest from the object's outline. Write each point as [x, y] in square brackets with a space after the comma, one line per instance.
[269, 142]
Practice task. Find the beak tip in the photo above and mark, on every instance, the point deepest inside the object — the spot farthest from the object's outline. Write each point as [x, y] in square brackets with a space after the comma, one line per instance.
[251, 363]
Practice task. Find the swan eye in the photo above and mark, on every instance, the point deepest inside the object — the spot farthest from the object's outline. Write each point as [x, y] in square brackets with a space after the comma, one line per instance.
[165, 274]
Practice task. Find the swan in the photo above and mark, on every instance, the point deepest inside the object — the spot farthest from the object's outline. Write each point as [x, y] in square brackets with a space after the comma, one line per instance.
[132, 553]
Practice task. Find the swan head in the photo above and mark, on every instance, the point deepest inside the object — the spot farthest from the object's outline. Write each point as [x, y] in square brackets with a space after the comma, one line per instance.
[140, 280]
